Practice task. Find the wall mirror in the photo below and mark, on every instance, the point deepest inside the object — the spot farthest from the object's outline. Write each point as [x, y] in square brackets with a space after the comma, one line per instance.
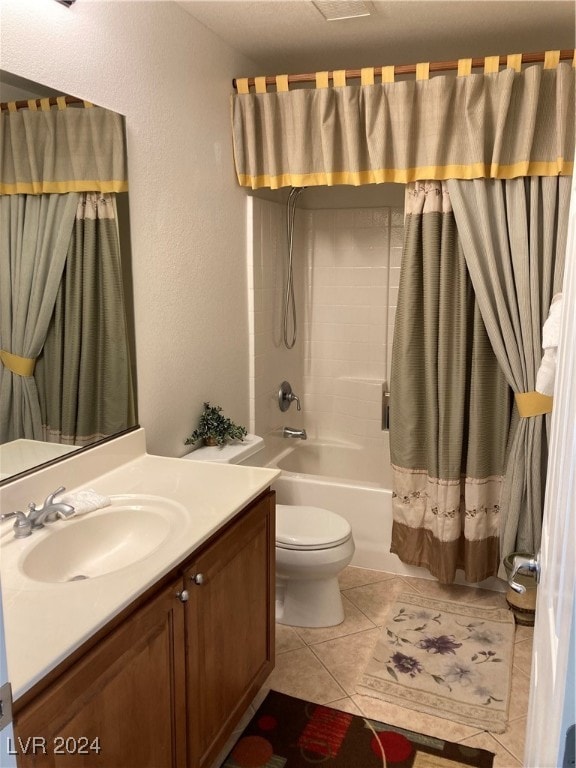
[19, 454]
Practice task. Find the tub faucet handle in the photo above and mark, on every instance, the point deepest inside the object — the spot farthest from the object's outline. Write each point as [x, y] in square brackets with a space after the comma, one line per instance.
[286, 397]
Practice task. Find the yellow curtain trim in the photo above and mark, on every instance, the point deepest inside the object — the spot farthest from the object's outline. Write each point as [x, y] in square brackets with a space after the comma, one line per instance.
[242, 85]
[339, 78]
[260, 84]
[388, 74]
[32, 106]
[367, 76]
[532, 404]
[88, 105]
[491, 64]
[560, 167]
[514, 61]
[21, 366]
[321, 79]
[423, 71]
[464, 67]
[12, 106]
[551, 59]
[45, 105]
[61, 187]
[281, 83]
[61, 102]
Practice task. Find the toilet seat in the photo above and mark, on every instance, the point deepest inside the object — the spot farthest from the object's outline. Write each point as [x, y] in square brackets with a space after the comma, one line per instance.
[306, 528]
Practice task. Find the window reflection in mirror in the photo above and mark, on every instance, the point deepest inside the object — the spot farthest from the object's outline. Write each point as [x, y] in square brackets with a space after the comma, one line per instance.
[21, 453]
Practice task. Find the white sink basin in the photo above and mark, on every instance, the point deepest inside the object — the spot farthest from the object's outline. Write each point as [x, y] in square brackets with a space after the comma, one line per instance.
[102, 542]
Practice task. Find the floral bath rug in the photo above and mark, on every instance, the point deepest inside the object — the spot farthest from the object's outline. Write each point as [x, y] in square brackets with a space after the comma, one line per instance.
[446, 659]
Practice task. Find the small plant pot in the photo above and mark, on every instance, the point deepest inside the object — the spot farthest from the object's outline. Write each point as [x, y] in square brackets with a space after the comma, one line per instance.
[210, 441]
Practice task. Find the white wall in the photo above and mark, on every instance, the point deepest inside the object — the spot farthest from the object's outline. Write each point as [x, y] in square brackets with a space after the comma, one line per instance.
[171, 78]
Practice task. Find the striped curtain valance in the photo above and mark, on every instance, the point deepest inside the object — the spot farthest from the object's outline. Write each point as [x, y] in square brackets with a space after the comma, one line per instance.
[61, 149]
[500, 124]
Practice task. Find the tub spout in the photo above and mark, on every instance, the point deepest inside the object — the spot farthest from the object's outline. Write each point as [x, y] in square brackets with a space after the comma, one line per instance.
[290, 432]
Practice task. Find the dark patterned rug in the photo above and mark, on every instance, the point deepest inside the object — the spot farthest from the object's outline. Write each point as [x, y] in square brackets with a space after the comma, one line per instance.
[287, 732]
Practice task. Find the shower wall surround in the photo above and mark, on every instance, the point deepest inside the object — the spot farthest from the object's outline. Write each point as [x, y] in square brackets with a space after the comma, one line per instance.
[347, 269]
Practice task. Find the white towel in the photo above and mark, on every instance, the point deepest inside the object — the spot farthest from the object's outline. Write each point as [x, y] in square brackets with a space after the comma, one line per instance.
[85, 501]
[550, 334]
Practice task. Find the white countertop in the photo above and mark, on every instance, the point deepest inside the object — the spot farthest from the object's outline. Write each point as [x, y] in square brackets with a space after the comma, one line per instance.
[45, 622]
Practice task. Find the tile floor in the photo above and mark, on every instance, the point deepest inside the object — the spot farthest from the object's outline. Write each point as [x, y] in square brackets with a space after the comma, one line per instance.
[324, 665]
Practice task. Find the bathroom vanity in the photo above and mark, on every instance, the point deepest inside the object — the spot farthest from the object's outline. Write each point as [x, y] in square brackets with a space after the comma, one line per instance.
[154, 663]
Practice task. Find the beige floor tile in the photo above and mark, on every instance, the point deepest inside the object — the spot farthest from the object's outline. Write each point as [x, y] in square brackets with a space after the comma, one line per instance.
[299, 673]
[523, 633]
[519, 694]
[523, 655]
[513, 739]
[434, 589]
[412, 719]
[502, 759]
[287, 639]
[359, 577]
[346, 657]
[374, 600]
[346, 705]
[354, 621]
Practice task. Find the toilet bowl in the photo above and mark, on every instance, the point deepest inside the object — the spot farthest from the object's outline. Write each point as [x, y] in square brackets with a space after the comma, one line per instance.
[313, 545]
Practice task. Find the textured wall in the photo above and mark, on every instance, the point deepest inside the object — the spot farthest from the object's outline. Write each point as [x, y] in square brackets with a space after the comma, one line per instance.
[171, 78]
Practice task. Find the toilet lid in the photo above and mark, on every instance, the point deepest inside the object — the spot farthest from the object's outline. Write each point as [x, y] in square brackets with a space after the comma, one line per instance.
[300, 527]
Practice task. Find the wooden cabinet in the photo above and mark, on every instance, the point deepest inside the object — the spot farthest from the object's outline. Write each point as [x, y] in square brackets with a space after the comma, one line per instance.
[166, 687]
[229, 629]
[122, 704]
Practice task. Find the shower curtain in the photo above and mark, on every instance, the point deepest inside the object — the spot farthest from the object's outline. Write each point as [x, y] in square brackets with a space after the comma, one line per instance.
[514, 240]
[83, 374]
[449, 403]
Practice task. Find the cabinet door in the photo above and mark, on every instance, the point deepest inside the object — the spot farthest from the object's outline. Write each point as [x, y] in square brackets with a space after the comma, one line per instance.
[122, 705]
[229, 628]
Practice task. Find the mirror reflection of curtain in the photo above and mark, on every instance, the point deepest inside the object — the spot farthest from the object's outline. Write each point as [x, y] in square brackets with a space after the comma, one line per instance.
[83, 375]
[449, 403]
[34, 242]
[514, 240]
[63, 326]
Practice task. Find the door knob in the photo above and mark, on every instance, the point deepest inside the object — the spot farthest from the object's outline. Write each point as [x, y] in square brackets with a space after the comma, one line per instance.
[182, 595]
[524, 564]
[198, 578]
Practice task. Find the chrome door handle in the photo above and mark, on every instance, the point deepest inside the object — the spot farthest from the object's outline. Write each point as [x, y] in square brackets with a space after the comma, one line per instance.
[526, 564]
[198, 579]
[182, 595]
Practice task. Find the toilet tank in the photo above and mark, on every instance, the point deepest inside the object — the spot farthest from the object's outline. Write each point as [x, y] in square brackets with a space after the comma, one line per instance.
[231, 453]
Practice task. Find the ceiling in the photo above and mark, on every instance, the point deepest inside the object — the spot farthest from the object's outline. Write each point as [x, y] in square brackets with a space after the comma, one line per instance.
[291, 36]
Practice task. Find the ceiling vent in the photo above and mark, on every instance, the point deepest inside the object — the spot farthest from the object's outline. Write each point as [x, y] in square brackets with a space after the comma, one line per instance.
[338, 10]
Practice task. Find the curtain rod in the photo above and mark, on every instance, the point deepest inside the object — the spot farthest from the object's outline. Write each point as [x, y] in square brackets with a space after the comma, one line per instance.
[23, 104]
[410, 69]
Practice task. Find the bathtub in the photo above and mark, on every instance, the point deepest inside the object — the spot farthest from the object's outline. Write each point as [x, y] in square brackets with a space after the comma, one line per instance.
[351, 479]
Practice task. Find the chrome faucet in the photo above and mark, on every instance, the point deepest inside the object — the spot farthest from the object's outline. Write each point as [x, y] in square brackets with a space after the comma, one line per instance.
[290, 432]
[49, 512]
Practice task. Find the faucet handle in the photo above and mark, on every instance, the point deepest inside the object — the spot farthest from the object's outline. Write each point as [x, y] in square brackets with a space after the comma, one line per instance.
[286, 397]
[50, 498]
[22, 527]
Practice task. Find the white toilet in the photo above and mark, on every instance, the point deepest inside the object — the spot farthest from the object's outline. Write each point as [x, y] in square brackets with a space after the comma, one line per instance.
[313, 545]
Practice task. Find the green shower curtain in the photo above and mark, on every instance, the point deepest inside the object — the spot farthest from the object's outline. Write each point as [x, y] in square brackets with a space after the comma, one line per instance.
[84, 375]
[450, 404]
[514, 237]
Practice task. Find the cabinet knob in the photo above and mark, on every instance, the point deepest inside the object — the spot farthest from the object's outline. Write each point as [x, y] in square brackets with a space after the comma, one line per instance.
[197, 578]
[182, 595]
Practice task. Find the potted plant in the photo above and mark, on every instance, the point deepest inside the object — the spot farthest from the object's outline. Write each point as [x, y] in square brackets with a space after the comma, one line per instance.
[215, 429]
